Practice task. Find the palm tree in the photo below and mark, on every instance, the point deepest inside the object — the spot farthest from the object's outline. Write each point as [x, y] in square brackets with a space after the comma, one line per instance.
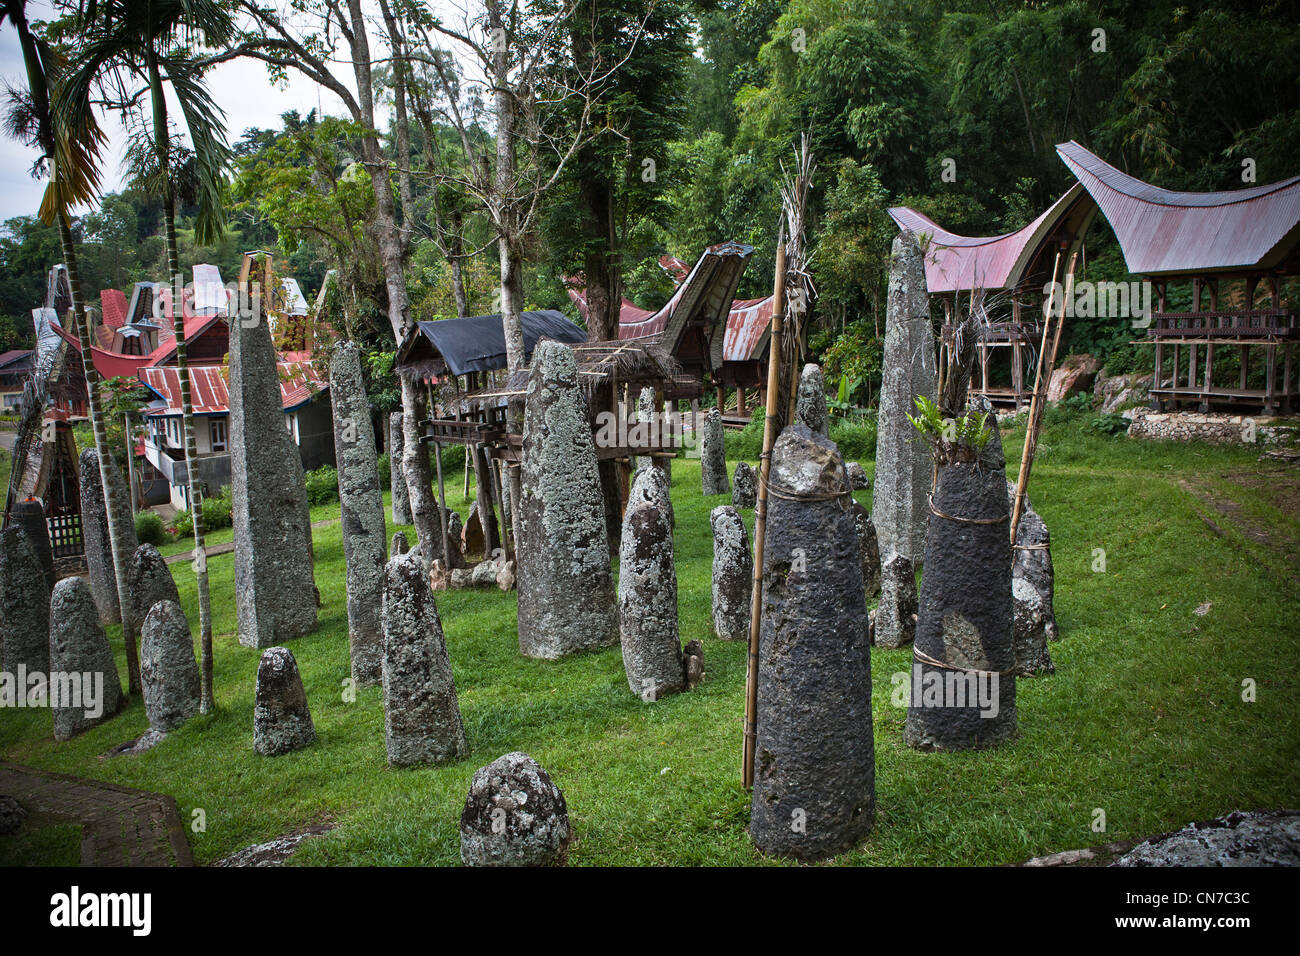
[128, 43]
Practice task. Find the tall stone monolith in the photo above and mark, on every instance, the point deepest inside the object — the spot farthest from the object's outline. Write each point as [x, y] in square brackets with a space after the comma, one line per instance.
[733, 574]
[1032, 592]
[868, 547]
[275, 593]
[401, 502]
[566, 589]
[814, 768]
[895, 616]
[95, 537]
[647, 593]
[713, 456]
[24, 606]
[963, 693]
[149, 581]
[903, 464]
[169, 674]
[422, 722]
[810, 403]
[364, 548]
[281, 720]
[30, 516]
[83, 674]
[744, 486]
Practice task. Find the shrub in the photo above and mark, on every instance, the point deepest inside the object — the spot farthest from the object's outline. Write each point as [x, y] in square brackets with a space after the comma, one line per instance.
[1068, 410]
[1109, 424]
[385, 471]
[453, 458]
[747, 443]
[216, 511]
[322, 485]
[149, 528]
[856, 438]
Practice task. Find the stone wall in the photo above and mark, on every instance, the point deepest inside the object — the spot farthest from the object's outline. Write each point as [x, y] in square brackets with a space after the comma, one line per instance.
[1219, 428]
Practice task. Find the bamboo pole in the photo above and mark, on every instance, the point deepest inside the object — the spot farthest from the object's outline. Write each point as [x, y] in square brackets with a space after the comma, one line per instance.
[771, 414]
[1046, 361]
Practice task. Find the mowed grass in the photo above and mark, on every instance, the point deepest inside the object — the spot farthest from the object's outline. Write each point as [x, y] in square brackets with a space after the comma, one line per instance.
[1143, 719]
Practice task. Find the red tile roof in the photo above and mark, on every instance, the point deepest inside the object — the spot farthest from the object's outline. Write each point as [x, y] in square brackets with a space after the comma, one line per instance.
[113, 306]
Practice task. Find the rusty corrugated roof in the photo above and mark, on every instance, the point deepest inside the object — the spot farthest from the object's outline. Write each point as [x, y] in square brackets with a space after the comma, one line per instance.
[955, 263]
[210, 392]
[1165, 232]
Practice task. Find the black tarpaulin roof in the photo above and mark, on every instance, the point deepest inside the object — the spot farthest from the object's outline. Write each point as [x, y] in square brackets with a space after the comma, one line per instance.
[478, 343]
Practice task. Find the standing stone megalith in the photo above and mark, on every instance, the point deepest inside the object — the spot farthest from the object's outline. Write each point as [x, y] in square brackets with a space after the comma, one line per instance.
[169, 674]
[903, 465]
[895, 616]
[814, 767]
[566, 589]
[82, 674]
[362, 505]
[422, 722]
[868, 547]
[281, 720]
[963, 693]
[713, 456]
[1032, 592]
[744, 486]
[810, 403]
[94, 534]
[514, 815]
[396, 470]
[400, 545]
[275, 593]
[647, 593]
[24, 606]
[733, 574]
[30, 516]
[149, 581]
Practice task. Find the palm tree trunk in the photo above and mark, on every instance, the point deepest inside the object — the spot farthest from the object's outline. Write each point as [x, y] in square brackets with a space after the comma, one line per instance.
[112, 488]
[195, 491]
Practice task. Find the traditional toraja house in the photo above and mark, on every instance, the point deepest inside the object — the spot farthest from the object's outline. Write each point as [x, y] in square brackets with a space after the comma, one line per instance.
[1234, 248]
[988, 272]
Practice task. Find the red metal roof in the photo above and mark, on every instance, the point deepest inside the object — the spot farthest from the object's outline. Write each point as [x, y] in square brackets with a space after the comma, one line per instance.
[1163, 232]
[210, 391]
[749, 324]
[956, 263]
[113, 306]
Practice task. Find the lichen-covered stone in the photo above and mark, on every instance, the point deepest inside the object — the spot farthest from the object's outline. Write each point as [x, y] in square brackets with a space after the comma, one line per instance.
[868, 548]
[744, 486]
[895, 617]
[965, 616]
[647, 594]
[24, 605]
[903, 465]
[693, 663]
[810, 402]
[422, 722]
[1253, 838]
[362, 508]
[399, 546]
[713, 456]
[81, 660]
[30, 516]
[814, 772]
[275, 593]
[149, 581]
[566, 589]
[733, 574]
[401, 502]
[858, 477]
[514, 815]
[95, 536]
[1032, 592]
[1029, 627]
[281, 721]
[169, 673]
[657, 488]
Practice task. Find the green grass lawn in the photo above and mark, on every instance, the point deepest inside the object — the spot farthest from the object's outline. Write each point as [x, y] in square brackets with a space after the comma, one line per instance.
[1144, 717]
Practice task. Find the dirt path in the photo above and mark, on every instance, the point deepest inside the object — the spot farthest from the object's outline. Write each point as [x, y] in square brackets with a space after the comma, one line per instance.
[120, 826]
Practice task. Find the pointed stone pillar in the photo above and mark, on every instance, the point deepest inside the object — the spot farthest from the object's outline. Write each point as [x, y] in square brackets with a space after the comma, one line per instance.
[79, 649]
[904, 467]
[275, 593]
[733, 574]
[810, 404]
[362, 505]
[24, 605]
[566, 589]
[647, 593]
[713, 456]
[94, 534]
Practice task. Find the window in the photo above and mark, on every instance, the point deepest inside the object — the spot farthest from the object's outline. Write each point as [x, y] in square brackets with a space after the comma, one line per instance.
[218, 430]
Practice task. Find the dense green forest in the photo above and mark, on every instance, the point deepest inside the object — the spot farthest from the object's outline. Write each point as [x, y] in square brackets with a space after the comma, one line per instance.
[683, 143]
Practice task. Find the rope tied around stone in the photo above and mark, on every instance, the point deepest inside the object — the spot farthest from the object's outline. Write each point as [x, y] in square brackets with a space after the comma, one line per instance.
[845, 497]
[961, 520]
[1031, 547]
[924, 658]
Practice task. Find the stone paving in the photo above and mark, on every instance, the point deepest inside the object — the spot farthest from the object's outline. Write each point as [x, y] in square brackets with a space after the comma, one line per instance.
[120, 826]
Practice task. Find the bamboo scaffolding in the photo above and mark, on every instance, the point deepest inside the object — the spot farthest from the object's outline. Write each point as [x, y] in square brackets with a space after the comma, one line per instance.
[771, 414]
[1046, 361]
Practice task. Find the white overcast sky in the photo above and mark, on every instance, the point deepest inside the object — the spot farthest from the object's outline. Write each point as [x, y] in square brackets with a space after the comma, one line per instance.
[242, 88]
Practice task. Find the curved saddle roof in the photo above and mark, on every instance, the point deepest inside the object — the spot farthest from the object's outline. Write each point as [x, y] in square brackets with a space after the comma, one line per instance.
[1165, 232]
[955, 263]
